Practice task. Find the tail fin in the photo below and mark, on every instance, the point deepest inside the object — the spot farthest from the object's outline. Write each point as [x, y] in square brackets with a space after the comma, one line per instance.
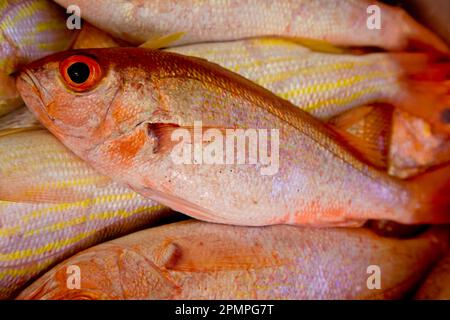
[432, 193]
[425, 89]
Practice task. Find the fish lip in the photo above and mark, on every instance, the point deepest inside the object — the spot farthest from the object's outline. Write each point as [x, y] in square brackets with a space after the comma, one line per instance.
[30, 79]
[45, 101]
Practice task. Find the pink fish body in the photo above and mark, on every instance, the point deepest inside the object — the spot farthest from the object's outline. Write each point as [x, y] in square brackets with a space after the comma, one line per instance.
[341, 22]
[197, 260]
[122, 116]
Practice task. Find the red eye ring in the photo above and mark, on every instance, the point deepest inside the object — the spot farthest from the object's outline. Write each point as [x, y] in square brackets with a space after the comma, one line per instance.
[80, 73]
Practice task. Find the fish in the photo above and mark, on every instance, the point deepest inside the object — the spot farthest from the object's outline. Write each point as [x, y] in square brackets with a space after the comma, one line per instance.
[131, 113]
[329, 86]
[341, 22]
[29, 30]
[437, 283]
[199, 260]
[52, 205]
[326, 85]
[124, 114]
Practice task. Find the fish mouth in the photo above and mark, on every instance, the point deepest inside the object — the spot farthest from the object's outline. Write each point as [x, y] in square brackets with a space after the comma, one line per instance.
[36, 98]
[28, 77]
[34, 94]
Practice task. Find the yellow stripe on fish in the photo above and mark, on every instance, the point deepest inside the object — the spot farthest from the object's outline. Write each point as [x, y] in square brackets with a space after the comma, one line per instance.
[311, 80]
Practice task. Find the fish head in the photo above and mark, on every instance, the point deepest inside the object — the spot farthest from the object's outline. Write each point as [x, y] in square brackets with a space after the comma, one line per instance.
[105, 272]
[87, 97]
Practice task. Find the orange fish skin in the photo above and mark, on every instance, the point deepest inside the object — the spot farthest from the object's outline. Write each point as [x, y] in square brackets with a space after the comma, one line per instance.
[341, 22]
[197, 260]
[115, 127]
[437, 284]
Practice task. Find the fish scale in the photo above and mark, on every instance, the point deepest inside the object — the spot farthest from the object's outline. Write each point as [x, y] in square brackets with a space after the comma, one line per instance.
[40, 231]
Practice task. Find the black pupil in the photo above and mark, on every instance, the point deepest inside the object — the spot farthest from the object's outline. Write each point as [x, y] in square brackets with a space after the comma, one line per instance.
[78, 72]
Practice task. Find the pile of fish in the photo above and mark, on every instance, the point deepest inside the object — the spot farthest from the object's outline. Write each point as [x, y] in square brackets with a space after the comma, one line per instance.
[345, 196]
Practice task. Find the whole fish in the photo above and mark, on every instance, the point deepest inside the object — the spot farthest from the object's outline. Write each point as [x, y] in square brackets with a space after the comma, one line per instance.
[341, 22]
[437, 284]
[29, 29]
[325, 84]
[139, 116]
[53, 205]
[197, 260]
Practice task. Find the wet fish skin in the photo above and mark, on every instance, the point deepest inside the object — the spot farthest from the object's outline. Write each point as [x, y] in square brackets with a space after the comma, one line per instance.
[197, 260]
[115, 127]
[29, 30]
[63, 206]
[437, 284]
[342, 22]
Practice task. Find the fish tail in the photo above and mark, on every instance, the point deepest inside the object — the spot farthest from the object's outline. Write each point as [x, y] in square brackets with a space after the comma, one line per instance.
[432, 192]
[424, 88]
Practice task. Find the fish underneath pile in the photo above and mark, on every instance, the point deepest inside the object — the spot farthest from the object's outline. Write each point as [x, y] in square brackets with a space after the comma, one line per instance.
[197, 260]
[341, 22]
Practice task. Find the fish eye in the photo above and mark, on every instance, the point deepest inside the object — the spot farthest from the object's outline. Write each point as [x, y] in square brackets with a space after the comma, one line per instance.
[80, 73]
